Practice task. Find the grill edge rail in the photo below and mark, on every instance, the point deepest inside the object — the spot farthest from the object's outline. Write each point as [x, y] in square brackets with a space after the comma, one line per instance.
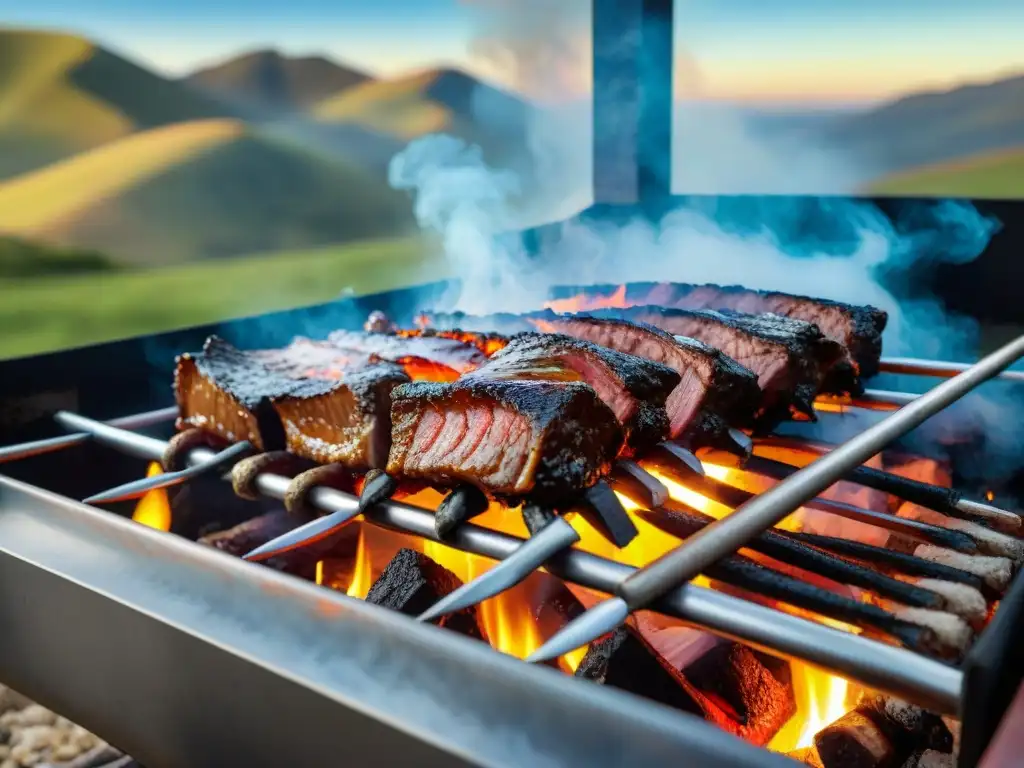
[140, 636]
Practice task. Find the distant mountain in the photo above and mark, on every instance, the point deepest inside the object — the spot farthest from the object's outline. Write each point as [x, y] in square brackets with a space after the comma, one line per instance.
[936, 127]
[61, 94]
[431, 101]
[268, 81]
[200, 189]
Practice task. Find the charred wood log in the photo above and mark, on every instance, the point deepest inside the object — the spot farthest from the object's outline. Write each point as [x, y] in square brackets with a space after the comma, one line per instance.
[412, 582]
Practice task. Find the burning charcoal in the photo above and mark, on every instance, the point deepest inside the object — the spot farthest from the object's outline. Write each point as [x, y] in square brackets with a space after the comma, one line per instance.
[854, 741]
[412, 582]
[909, 724]
[757, 687]
[296, 498]
[627, 661]
[256, 532]
[723, 682]
[881, 731]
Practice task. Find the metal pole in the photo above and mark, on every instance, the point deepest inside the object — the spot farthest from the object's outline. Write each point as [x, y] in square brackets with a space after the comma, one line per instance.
[51, 444]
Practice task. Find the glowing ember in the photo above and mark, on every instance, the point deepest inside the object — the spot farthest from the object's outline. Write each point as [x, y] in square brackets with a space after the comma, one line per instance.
[154, 509]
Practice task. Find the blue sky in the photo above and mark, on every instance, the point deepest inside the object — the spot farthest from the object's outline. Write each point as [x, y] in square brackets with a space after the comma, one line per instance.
[782, 50]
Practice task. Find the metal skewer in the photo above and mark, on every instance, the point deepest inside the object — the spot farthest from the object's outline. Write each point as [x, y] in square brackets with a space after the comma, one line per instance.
[138, 488]
[52, 444]
[876, 665]
[727, 535]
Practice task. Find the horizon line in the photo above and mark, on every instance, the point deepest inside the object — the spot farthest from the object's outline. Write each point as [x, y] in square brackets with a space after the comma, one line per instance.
[777, 101]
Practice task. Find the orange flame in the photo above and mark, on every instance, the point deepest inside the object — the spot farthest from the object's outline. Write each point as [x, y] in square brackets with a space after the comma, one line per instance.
[361, 578]
[154, 509]
[362, 575]
[582, 303]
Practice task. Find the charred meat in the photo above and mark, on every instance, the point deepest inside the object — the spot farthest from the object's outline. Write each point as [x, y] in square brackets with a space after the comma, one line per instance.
[858, 328]
[635, 388]
[511, 438]
[432, 358]
[790, 357]
[308, 398]
[714, 391]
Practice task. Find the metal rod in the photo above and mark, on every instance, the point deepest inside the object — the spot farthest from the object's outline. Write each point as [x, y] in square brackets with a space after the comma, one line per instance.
[51, 444]
[139, 488]
[876, 665]
[725, 536]
[733, 497]
[936, 368]
[769, 508]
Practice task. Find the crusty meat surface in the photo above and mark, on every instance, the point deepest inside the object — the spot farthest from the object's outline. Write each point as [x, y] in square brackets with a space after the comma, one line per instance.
[301, 398]
[635, 388]
[514, 439]
[858, 328]
[790, 357]
[714, 392]
[426, 351]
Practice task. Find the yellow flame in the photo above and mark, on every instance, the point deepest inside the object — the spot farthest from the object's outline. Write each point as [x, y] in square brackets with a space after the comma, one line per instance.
[820, 700]
[154, 509]
[362, 575]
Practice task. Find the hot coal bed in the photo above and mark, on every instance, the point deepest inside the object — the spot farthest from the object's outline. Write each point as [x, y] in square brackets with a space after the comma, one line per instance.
[876, 627]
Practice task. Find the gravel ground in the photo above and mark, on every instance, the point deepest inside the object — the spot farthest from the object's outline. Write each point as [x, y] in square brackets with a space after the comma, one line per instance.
[31, 735]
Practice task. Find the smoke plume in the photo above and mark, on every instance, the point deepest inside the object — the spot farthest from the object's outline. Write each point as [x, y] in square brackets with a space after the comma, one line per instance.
[830, 247]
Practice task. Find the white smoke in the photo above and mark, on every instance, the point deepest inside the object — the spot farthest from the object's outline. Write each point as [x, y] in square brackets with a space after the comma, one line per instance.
[832, 247]
[542, 48]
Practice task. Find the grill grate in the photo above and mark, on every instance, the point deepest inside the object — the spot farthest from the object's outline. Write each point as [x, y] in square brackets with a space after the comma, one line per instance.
[44, 538]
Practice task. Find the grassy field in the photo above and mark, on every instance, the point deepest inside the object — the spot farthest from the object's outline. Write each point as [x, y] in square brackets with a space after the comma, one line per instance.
[44, 314]
[992, 175]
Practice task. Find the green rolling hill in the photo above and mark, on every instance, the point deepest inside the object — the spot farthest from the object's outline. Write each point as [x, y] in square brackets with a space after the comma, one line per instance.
[61, 94]
[199, 189]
